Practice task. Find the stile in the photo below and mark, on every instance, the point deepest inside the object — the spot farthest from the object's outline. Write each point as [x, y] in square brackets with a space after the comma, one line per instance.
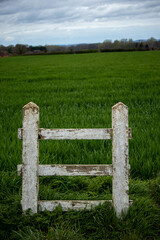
[30, 169]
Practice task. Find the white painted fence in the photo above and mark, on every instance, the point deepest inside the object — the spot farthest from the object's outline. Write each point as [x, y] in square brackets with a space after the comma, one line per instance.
[31, 170]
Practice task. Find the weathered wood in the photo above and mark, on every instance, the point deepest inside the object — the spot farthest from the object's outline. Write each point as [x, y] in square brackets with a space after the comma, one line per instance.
[20, 133]
[30, 157]
[70, 204]
[75, 134]
[72, 170]
[129, 133]
[120, 161]
[30, 170]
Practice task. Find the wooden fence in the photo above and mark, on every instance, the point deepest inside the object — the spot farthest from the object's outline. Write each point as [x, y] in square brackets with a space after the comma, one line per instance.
[31, 170]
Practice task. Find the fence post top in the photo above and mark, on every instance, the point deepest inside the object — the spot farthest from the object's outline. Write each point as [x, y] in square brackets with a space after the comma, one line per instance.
[30, 105]
[119, 104]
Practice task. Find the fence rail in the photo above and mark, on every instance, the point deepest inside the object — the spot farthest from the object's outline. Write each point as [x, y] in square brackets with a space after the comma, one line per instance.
[72, 204]
[30, 169]
[72, 170]
[75, 134]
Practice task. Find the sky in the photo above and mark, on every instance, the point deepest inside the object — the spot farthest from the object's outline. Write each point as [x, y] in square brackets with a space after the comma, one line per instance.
[58, 22]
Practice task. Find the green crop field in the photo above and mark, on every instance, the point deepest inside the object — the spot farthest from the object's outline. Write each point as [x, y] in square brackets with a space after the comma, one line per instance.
[78, 91]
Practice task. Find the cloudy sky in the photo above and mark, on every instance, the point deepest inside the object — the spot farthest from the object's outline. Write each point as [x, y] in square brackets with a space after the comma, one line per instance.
[38, 22]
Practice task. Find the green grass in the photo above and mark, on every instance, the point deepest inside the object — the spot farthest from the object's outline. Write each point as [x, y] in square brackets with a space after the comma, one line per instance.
[78, 91]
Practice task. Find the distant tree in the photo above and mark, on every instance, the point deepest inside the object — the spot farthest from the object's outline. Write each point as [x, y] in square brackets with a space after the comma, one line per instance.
[123, 43]
[151, 43]
[81, 47]
[146, 47]
[55, 48]
[107, 44]
[20, 49]
[10, 49]
[92, 46]
[116, 44]
[141, 45]
[40, 48]
[158, 44]
[130, 44]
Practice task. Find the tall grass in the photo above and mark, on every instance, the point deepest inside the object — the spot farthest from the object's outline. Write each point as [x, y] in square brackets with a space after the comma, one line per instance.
[78, 91]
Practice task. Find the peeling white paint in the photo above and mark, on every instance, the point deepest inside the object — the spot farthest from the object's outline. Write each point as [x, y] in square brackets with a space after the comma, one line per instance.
[120, 161]
[75, 134]
[70, 204]
[30, 157]
[72, 170]
[30, 169]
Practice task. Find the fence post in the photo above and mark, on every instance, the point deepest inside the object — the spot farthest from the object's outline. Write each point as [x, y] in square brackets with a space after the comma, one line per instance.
[120, 160]
[30, 157]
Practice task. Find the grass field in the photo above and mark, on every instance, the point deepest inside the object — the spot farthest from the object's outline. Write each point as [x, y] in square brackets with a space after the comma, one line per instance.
[78, 91]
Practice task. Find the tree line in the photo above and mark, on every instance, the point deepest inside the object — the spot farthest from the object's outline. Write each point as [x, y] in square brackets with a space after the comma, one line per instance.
[106, 46]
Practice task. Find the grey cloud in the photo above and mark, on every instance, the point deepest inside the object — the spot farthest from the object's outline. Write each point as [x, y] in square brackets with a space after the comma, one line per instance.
[70, 11]
[49, 12]
[3, 1]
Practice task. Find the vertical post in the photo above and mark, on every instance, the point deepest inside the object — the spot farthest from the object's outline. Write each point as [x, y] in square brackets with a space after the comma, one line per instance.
[120, 160]
[30, 157]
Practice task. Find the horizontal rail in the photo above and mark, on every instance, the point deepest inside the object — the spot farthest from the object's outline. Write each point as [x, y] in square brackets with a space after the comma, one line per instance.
[72, 204]
[71, 134]
[69, 204]
[72, 170]
[74, 134]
